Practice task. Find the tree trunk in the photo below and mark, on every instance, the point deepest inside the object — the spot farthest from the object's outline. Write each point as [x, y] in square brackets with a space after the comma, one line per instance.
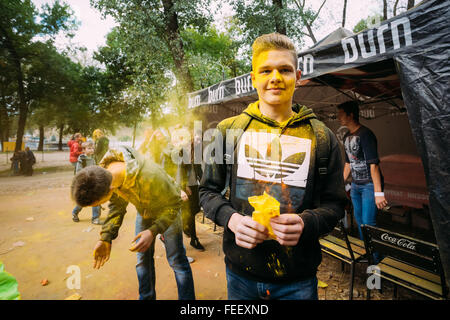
[173, 39]
[23, 108]
[311, 34]
[385, 6]
[4, 121]
[41, 138]
[134, 133]
[395, 8]
[60, 144]
[344, 13]
[308, 24]
[280, 24]
[410, 4]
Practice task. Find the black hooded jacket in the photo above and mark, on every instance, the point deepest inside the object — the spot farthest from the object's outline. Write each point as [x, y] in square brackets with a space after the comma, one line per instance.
[291, 176]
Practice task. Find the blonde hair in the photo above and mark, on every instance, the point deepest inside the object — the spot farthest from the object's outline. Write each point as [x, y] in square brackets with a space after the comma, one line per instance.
[273, 41]
[97, 134]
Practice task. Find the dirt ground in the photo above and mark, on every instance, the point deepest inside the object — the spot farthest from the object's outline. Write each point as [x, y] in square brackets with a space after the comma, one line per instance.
[38, 240]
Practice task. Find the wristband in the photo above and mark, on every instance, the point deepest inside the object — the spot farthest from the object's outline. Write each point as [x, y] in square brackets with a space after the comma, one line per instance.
[379, 194]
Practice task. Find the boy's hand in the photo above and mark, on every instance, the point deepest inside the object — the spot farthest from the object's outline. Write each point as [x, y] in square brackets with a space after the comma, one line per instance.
[248, 233]
[146, 239]
[288, 228]
[102, 251]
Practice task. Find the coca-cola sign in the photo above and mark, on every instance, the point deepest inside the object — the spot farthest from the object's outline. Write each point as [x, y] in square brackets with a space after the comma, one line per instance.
[400, 242]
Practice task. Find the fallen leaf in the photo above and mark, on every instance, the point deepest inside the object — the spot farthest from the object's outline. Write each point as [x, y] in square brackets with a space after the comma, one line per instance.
[18, 244]
[75, 296]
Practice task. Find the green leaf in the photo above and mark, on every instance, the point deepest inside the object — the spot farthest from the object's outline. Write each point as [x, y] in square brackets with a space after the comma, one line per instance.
[8, 285]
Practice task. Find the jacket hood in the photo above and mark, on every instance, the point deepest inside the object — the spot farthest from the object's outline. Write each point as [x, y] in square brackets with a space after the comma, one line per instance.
[302, 113]
[133, 160]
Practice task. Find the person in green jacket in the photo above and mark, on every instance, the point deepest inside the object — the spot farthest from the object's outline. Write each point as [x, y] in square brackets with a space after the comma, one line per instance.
[124, 176]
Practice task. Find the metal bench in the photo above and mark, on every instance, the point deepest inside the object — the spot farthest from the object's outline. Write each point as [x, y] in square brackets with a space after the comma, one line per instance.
[411, 263]
[348, 249]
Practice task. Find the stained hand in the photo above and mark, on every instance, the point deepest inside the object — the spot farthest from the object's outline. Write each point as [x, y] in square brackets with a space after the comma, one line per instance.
[102, 251]
[145, 240]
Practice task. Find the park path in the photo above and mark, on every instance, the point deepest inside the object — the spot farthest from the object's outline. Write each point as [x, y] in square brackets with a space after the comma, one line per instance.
[38, 240]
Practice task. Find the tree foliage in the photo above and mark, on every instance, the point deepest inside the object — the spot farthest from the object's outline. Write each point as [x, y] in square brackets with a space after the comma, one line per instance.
[163, 49]
[18, 27]
[152, 31]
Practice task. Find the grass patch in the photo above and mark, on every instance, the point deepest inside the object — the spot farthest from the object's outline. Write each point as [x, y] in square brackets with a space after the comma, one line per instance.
[7, 173]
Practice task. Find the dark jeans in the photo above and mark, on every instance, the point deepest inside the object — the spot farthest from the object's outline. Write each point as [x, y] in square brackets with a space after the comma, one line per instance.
[189, 209]
[176, 256]
[240, 288]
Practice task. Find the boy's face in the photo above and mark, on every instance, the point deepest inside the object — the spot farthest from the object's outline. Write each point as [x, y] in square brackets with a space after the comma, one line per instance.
[274, 77]
[89, 151]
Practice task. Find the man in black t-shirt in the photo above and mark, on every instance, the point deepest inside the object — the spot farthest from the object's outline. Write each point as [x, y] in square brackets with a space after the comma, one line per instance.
[361, 159]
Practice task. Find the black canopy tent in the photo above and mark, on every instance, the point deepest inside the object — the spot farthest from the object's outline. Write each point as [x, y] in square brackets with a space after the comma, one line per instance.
[400, 65]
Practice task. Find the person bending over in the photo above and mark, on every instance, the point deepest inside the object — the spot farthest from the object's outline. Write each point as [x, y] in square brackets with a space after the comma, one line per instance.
[125, 176]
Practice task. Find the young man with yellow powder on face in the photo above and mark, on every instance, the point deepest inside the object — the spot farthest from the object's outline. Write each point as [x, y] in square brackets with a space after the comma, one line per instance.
[276, 154]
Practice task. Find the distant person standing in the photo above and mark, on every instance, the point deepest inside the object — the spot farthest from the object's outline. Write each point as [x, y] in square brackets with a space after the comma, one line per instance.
[30, 160]
[101, 145]
[193, 175]
[85, 160]
[15, 163]
[361, 160]
[75, 149]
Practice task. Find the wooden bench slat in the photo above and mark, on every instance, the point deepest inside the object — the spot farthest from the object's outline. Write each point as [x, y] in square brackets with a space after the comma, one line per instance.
[413, 270]
[356, 249]
[337, 248]
[387, 270]
[356, 241]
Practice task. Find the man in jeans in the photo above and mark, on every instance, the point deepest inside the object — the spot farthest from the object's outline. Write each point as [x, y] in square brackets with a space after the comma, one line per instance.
[125, 176]
[361, 159]
[276, 154]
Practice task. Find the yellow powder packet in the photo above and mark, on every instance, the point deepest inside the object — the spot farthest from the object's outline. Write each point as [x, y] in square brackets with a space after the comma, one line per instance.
[266, 207]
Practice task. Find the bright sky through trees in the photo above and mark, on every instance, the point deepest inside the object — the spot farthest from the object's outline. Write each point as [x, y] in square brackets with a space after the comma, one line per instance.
[93, 29]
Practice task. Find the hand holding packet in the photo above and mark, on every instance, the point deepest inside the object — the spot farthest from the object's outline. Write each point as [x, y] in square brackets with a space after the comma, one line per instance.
[266, 207]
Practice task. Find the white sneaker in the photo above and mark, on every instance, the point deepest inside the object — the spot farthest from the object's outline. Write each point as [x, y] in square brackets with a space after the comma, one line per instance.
[190, 259]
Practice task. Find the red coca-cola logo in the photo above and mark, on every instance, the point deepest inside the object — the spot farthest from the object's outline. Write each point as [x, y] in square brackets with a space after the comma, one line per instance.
[400, 242]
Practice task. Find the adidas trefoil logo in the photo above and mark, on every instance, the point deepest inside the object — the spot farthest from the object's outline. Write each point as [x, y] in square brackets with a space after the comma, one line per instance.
[275, 163]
